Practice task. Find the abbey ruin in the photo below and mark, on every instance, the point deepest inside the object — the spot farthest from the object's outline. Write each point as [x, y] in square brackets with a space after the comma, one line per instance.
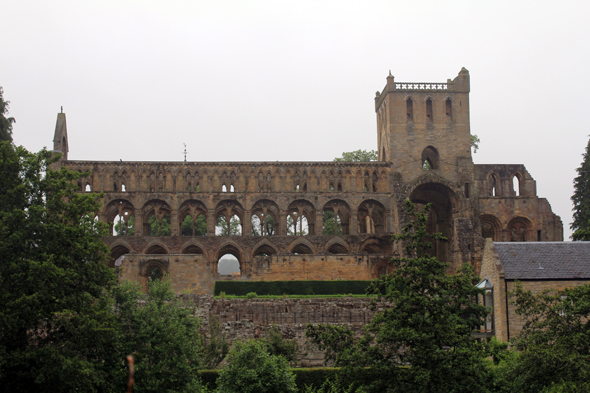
[318, 220]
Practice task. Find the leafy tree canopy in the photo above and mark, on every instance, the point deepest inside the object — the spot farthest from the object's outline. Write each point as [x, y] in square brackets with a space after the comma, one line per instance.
[251, 369]
[554, 342]
[5, 122]
[426, 324]
[357, 155]
[581, 200]
[57, 332]
[475, 143]
[162, 334]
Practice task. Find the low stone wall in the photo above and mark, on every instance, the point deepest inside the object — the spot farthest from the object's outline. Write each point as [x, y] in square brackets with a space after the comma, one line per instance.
[243, 319]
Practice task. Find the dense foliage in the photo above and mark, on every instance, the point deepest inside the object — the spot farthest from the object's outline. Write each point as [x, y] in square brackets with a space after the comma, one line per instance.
[581, 200]
[554, 344]
[421, 340]
[5, 122]
[357, 156]
[251, 368]
[278, 288]
[57, 331]
[163, 335]
[65, 323]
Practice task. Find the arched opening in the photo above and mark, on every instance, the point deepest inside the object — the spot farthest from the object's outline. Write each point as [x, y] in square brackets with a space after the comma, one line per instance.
[383, 156]
[300, 218]
[156, 218]
[409, 109]
[223, 188]
[430, 158]
[429, 113]
[337, 248]
[118, 254]
[301, 249]
[88, 188]
[371, 217]
[194, 226]
[192, 249]
[492, 185]
[123, 187]
[155, 273]
[490, 227]
[192, 218]
[516, 184]
[228, 219]
[375, 181]
[336, 218]
[373, 246]
[265, 215]
[228, 264]
[124, 224]
[156, 249]
[440, 218]
[264, 251]
[228, 227]
[449, 109]
[231, 188]
[121, 218]
[519, 230]
[339, 186]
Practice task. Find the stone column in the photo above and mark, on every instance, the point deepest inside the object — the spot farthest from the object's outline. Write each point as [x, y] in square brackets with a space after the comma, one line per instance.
[210, 222]
[247, 224]
[282, 224]
[353, 225]
[174, 223]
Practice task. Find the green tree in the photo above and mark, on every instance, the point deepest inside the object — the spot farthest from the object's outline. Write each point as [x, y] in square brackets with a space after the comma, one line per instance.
[554, 343]
[216, 345]
[357, 155]
[252, 369]
[223, 229]
[161, 228]
[198, 228]
[581, 200]
[331, 223]
[475, 143]
[122, 229]
[421, 341]
[57, 329]
[277, 345]
[5, 122]
[163, 336]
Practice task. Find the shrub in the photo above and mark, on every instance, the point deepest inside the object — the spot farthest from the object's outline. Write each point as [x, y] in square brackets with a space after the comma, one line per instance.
[252, 369]
[251, 295]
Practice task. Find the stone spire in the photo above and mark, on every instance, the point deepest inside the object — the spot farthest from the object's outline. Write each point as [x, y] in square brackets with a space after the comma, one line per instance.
[60, 139]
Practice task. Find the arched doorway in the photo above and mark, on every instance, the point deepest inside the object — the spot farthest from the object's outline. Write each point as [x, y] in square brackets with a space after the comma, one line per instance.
[440, 218]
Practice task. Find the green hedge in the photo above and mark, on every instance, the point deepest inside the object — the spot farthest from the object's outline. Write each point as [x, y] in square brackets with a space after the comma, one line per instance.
[314, 376]
[278, 288]
[303, 377]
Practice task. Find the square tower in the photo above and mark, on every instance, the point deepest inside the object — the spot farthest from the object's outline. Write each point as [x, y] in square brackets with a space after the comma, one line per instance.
[425, 126]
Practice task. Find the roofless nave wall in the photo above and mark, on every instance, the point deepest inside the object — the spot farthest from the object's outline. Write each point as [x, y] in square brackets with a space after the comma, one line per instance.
[318, 220]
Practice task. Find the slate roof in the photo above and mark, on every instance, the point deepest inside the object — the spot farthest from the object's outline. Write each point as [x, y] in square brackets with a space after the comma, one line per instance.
[544, 260]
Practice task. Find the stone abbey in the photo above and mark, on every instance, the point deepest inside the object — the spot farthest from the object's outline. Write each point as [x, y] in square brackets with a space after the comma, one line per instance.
[318, 220]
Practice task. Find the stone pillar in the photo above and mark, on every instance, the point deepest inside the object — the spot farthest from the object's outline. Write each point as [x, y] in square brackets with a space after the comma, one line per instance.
[319, 222]
[353, 225]
[174, 223]
[138, 223]
[281, 224]
[247, 224]
[210, 222]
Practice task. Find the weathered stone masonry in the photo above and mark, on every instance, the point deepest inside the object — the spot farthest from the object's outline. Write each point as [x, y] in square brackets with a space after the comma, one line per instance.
[424, 150]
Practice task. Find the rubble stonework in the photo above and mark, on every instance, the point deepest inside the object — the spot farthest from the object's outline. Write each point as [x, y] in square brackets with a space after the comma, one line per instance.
[424, 151]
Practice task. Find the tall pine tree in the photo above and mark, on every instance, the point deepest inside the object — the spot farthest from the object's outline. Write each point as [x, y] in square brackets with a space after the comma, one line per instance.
[581, 199]
[5, 122]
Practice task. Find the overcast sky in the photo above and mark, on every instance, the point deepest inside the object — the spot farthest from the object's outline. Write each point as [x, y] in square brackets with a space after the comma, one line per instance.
[295, 81]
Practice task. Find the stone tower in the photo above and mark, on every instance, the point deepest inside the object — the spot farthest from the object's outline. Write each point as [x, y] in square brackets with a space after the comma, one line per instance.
[60, 138]
[424, 125]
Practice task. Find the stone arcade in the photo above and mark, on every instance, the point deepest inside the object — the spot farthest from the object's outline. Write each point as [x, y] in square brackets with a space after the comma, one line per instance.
[277, 209]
